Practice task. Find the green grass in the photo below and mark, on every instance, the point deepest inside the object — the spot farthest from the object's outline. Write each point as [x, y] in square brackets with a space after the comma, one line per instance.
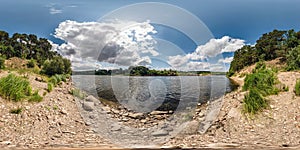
[254, 102]
[77, 93]
[16, 111]
[14, 88]
[35, 97]
[260, 83]
[49, 86]
[263, 79]
[297, 88]
[57, 79]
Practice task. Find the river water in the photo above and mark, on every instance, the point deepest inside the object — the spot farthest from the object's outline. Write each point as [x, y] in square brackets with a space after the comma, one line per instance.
[145, 94]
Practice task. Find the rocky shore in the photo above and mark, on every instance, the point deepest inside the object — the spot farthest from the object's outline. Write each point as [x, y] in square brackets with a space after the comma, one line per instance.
[63, 121]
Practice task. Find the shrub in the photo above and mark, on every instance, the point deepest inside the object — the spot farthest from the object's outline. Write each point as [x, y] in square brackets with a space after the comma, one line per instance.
[293, 59]
[31, 63]
[297, 88]
[35, 97]
[2, 62]
[16, 111]
[263, 79]
[254, 102]
[57, 65]
[14, 88]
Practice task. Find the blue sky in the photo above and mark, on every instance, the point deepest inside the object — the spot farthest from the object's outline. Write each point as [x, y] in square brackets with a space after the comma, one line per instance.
[245, 20]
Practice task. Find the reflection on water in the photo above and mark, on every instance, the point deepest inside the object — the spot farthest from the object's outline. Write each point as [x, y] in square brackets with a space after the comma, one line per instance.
[145, 94]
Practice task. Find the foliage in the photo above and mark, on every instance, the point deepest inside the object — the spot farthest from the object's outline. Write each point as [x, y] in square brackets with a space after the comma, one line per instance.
[2, 62]
[144, 71]
[57, 79]
[263, 79]
[14, 88]
[35, 97]
[272, 45]
[57, 65]
[293, 59]
[254, 102]
[49, 86]
[16, 111]
[297, 88]
[31, 63]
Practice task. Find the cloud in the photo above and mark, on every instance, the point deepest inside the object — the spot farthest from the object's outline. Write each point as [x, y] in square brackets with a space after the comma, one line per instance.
[227, 60]
[204, 56]
[53, 11]
[218, 46]
[123, 43]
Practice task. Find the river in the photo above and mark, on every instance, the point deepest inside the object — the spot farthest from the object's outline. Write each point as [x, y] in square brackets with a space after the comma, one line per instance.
[145, 94]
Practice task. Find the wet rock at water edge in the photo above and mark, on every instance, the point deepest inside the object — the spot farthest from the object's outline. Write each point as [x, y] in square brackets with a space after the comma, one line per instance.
[88, 106]
[91, 98]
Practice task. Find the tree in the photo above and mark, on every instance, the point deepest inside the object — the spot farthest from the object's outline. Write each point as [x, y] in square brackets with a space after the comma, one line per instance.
[293, 59]
[57, 65]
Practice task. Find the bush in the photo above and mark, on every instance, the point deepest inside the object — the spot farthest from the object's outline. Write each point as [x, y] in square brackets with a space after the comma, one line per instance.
[297, 88]
[293, 59]
[31, 63]
[254, 102]
[2, 62]
[56, 79]
[35, 97]
[57, 65]
[263, 79]
[14, 88]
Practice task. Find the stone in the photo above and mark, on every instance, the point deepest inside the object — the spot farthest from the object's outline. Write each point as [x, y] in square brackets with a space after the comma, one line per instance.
[115, 127]
[159, 112]
[160, 133]
[201, 114]
[64, 112]
[234, 113]
[136, 115]
[222, 145]
[88, 106]
[91, 98]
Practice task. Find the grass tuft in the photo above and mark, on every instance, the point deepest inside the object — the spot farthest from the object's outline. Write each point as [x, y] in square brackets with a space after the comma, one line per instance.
[35, 97]
[254, 102]
[14, 88]
[297, 88]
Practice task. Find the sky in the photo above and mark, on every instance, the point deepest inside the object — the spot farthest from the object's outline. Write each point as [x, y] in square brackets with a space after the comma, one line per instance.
[179, 34]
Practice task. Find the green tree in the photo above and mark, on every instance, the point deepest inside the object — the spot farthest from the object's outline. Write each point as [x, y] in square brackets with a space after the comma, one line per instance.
[57, 65]
[293, 59]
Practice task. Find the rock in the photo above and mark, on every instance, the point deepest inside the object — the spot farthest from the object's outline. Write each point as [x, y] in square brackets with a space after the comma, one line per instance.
[115, 127]
[160, 133]
[222, 145]
[88, 106]
[136, 115]
[91, 98]
[159, 112]
[201, 114]
[190, 128]
[234, 113]
[6, 143]
[64, 112]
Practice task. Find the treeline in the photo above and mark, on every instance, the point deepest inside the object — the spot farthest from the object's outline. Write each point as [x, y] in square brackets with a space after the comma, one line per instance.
[276, 44]
[144, 71]
[37, 50]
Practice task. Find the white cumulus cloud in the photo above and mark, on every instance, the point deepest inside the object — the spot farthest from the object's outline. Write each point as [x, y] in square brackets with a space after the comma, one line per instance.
[226, 60]
[204, 55]
[123, 43]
